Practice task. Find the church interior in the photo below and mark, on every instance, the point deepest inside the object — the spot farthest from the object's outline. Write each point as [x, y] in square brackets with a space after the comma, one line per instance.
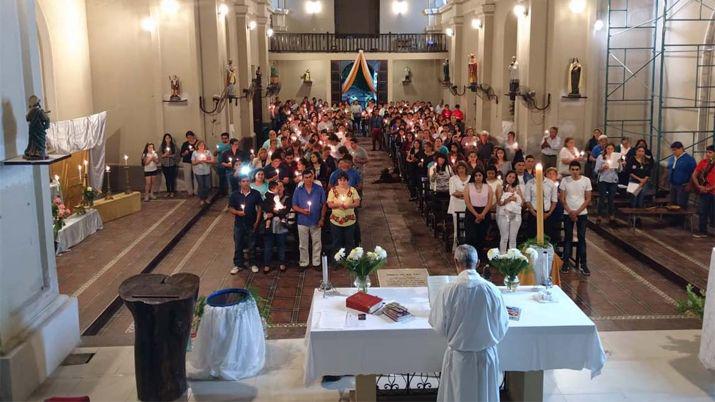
[357, 200]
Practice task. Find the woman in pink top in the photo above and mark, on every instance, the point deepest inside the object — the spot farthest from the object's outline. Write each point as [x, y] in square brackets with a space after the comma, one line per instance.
[478, 199]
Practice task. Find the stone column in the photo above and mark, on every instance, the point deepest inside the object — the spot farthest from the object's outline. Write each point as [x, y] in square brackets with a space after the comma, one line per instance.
[457, 60]
[485, 55]
[262, 37]
[244, 128]
[232, 114]
[212, 37]
[38, 326]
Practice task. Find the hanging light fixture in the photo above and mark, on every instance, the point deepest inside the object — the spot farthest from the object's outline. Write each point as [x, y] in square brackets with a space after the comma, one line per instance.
[577, 6]
[476, 23]
[269, 32]
[313, 6]
[252, 25]
[520, 10]
[449, 32]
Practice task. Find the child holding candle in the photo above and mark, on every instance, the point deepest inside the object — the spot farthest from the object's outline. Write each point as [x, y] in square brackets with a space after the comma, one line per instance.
[201, 160]
[169, 163]
[150, 162]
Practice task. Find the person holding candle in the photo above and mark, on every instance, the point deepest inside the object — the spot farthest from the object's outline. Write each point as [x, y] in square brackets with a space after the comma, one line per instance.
[187, 149]
[509, 199]
[607, 169]
[245, 205]
[230, 158]
[150, 162]
[575, 197]
[221, 169]
[551, 146]
[309, 204]
[322, 172]
[201, 160]
[567, 154]
[259, 182]
[478, 200]
[276, 207]
[457, 183]
[343, 199]
[169, 161]
[261, 160]
[703, 180]
[639, 168]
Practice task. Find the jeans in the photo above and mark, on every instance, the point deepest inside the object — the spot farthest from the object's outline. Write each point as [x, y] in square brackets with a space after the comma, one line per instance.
[231, 180]
[376, 135]
[305, 234]
[242, 239]
[508, 229]
[170, 178]
[568, 241]
[222, 180]
[343, 237]
[475, 233]
[678, 195]
[204, 181]
[706, 212]
[189, 179]
[607, 192]
[269, 239]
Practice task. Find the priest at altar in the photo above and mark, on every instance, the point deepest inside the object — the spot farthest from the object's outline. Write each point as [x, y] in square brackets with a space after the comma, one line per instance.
[471, 314]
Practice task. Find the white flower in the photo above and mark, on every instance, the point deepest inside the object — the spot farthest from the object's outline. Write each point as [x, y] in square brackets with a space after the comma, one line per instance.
[533, 254]
[372, 256]
[492, 253]
[340, 255]
[513, 253]
[381, 253]
[356, 254]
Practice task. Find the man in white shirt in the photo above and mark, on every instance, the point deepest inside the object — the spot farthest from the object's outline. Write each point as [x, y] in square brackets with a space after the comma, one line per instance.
[551, 198]
[575, 197]
[471, 314]
[550, 147]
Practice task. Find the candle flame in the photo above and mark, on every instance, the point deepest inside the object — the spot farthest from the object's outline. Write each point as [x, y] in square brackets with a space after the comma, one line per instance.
[539, 166]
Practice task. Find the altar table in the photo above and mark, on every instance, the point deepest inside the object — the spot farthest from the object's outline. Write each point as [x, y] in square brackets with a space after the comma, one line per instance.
[120, 205]
[77, 228]
[548, 336]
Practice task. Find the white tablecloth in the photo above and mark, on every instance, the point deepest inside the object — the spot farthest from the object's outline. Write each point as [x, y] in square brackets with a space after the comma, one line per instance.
[707, 341]
[78, 228]
[548, 336]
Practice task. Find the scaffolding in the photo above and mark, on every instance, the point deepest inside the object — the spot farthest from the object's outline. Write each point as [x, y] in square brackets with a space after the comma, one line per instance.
[660, 74]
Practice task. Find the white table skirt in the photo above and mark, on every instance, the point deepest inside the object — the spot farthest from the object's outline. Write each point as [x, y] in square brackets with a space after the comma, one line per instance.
[548, 336]
[78, 228]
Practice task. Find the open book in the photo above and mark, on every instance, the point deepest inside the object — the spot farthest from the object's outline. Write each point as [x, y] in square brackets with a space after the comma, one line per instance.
[435, 283]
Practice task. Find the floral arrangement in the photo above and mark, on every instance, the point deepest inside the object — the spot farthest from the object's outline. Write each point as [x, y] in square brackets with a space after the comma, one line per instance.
[361, 263]
[512, 263]
[59, 213]
[88, 196]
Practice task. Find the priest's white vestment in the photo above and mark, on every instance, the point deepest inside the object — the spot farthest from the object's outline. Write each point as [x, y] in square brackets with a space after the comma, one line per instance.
[471, 314]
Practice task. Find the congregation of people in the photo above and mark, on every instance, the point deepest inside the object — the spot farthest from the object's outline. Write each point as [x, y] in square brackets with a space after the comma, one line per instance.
[306, 178]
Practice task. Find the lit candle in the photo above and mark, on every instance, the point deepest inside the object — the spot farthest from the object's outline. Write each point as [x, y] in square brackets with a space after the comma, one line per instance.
[107, 169]
[309, 204]
[57, 178]
[167, 149]
[230, 159]
[278, 173]
[252, 152]
[191, 147]
[297, 173]
[539, 203]
[243, 206]
[126, 160]
[515, 145]
[582, 153]
[79, 167]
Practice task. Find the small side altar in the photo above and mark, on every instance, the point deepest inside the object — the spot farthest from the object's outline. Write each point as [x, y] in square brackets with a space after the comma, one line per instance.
[121, 204]
[77, 228]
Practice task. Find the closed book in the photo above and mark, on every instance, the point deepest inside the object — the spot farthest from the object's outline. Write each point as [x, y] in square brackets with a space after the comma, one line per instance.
[364, 302]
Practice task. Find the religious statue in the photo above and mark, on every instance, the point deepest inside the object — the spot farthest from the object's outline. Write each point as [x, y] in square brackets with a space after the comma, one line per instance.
[231, 80]
[275, 78]
[445, 71]
[472, 67]
[306, 76]
[175, 88]
[513, 78]
[407, 75]
[39, 123]
[575, 78]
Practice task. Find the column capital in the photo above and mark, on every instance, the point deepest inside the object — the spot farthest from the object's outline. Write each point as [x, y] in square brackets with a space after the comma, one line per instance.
[488, 9]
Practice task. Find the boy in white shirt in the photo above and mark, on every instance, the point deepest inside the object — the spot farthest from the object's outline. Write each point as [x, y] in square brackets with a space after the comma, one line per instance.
[575, 196]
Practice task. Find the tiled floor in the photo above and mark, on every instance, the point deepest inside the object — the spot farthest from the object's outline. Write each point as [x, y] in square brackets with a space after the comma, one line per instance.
[643, 366]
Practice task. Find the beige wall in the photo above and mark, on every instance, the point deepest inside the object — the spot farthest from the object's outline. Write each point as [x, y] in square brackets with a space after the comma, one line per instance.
[64, 48]
[425, 83]
[292, 87]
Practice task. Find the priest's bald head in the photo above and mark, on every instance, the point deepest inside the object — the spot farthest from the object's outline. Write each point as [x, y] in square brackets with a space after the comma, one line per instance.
[466, 257]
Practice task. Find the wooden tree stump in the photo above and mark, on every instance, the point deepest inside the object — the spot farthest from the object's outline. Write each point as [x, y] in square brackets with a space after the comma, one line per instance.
[163, 307]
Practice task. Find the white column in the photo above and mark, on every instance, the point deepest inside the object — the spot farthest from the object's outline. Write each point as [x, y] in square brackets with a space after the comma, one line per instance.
[485, 55]
[212, 37]
[38, 326]
[262, 37]
[244, 128]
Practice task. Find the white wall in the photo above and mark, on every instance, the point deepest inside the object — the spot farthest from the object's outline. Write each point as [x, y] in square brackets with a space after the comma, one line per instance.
[413, 21]
[425, 83]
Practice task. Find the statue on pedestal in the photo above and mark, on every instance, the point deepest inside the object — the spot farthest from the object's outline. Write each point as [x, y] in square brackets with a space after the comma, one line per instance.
[406, 75]
[39, 123]
[306, 76]
[575, 78]
[473, 68]
[275, 78]
[175, 88]
[513, 70]
[231, 80]
[445, 71]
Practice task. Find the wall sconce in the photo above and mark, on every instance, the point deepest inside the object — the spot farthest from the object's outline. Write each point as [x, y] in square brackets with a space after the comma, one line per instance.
[449, 32]
[222, 9]
[577, 6]
[252, 25]
[520, 10]
[313, 6]
[598, 25]
[148, 24]
[476, 23]
[399, 7]
[269, 32]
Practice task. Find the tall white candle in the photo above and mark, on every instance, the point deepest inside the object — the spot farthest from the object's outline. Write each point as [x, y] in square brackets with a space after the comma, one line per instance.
[79, 167]
[325, 269]
[126, 160]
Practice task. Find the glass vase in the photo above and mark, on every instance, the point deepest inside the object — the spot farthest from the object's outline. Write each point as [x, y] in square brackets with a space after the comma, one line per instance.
[362, 283]
[511, 282]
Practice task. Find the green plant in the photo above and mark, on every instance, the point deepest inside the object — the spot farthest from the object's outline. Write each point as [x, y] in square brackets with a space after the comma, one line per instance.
[694, 304]
[199, 306]
[264, 309]
[531, 242]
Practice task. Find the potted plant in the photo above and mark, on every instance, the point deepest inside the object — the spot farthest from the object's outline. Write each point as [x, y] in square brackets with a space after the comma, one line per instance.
[362, 264]
[511, 264]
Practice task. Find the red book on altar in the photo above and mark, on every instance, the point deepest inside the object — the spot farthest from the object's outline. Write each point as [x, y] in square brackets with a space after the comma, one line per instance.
[364, 302]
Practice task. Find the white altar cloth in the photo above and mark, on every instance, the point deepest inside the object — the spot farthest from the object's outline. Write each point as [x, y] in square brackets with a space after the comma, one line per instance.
[707, 340]
[77, 228]
[548, 336]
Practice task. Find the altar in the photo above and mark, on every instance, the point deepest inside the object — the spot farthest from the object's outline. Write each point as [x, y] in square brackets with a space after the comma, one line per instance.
[548, 336]
[77, 228]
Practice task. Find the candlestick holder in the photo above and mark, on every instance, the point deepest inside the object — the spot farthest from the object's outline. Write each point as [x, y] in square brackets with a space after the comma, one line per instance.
[325, 286]
[85, 180]
[108, 194]
[127, 189]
